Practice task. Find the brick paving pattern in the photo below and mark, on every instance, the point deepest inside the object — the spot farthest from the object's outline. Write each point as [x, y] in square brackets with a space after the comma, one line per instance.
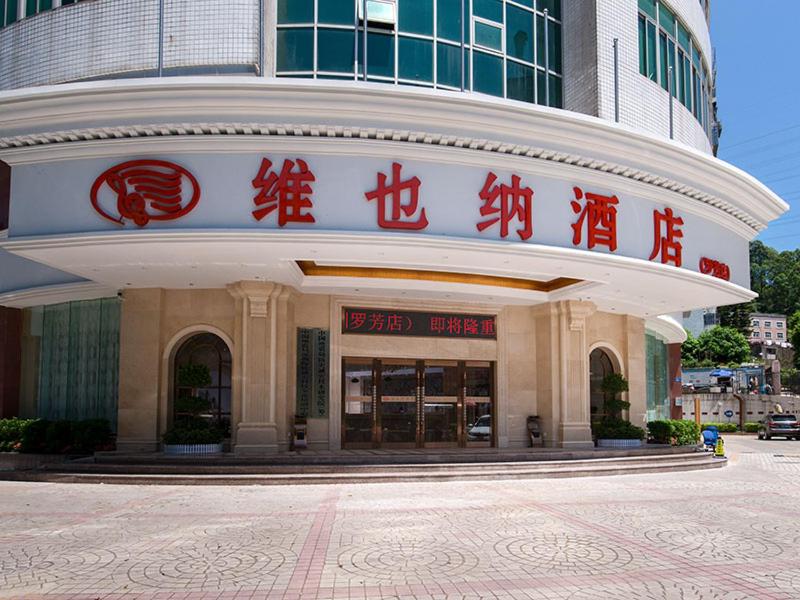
[727, 534]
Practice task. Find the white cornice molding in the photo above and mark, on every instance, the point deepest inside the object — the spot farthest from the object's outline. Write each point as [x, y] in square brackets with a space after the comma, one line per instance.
[55, 294]
[668, 328]
[41, 119]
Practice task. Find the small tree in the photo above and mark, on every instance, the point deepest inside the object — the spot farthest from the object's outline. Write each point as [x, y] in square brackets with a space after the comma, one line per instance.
[612, 386]
[723, 345]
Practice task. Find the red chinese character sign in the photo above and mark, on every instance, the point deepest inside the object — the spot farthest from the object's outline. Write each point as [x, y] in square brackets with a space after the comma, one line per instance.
[666, 233]
[715, 268]
[145, 190]
[288, 191]
[507, 204]
[599, 216]
[393, 213]
[422, 324]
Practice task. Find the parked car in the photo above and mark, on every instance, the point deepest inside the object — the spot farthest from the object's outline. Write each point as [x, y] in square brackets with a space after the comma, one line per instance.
[481, 430]
[779, 425]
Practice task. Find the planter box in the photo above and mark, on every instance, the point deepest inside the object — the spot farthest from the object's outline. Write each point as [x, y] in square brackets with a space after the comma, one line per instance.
[603, 443]
[177, 449]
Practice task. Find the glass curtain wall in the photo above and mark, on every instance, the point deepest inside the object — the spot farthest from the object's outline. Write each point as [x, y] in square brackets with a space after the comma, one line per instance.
[76, 356]
[503, 48]
[657, 381]
[664, 43]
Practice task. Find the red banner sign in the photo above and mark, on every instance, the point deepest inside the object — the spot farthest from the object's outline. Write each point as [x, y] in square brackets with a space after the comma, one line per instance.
[423, 324]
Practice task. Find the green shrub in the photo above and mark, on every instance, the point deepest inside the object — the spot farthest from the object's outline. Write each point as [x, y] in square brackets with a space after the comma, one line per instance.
[677, 431]
[58, 437]
[196, 431]
[194, 376]
[612, 385]
[11, 431]
[751, 427]
[618, 429]
[723, 427]
[192, 405]
[34, 437]
[90, 435]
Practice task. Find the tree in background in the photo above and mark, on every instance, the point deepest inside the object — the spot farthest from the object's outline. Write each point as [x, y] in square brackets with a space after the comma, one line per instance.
[793, 332]
[737, 316]
[716, 346]
[775, 276]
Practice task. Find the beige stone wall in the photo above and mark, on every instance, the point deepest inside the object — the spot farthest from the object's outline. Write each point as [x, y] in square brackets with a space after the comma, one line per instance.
[541, 358]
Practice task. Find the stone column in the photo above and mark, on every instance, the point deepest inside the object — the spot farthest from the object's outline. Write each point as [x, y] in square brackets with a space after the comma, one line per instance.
[573, 374]
[10, 359]
[139, 370]
[256, 342]
[636, 370]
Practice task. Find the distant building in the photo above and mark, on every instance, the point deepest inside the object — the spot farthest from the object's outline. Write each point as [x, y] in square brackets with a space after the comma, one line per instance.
[698, 320]
[766, 328]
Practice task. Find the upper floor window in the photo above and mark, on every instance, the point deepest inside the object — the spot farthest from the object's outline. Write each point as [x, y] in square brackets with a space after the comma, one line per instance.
[767, 334]
[8, 12]
[669, 56]
[505, 48]
[779, 324]
[780, 335]
[756, 334]
[755, 323]
[767, 323]
[14, 10]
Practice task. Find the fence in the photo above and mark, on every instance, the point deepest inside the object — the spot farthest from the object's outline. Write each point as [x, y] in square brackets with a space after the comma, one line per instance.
[746, 408]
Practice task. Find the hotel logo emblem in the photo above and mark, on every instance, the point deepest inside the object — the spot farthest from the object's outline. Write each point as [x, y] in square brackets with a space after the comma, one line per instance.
[145, 190]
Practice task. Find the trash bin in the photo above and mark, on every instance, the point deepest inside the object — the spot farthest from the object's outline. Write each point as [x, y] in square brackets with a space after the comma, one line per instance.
[534, 431]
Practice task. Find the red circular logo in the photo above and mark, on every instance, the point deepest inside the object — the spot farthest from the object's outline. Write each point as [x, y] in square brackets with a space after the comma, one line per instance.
[143, 191]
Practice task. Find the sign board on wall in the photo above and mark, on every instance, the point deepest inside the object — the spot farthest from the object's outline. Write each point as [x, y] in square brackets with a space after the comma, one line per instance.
[371, 321]
[344, 193]
[312, 372]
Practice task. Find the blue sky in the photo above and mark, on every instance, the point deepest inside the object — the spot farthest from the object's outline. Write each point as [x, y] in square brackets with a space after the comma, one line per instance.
[758, 91]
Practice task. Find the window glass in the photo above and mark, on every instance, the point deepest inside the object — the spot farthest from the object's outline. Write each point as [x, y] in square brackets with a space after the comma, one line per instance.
[295, 50]
[554, 46]
[648, 7]
[45, 5]
[380, 55]
[415, 59]
[448, 20]
[336, 12]
[488, 74]
[553, 7]
[295, 11]
[671, 56]
[666, 19]
[519, 33]
[335, 50]
[541, 87]
[30, 7]
[664, 48]
[488, 36]
[448, 65]
[651, 50]
[488, 9]
[556, 93]
[683, 38]
[540, 38]
[416, 16]
[642, 46]
[520, 82]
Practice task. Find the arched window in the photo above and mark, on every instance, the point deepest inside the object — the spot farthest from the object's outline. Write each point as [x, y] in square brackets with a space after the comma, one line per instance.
[211, 351]
[600, 365]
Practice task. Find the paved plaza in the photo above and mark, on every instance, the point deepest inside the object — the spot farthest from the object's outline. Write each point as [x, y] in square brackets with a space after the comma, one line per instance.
[726, 534]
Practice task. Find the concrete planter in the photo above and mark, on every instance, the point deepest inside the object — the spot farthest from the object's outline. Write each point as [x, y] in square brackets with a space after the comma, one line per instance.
[604, 443]
[177, 449]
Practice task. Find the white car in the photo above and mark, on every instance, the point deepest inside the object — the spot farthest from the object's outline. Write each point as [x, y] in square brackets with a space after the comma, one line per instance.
[481, 429]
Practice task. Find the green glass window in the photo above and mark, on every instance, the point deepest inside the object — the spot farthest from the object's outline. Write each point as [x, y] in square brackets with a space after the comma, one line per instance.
[520, 82]
[684, 39]
[415, 59]
[556, 93]
[666, 19]
[416, 16]
[335, 51]
[8, 12]
[651, 51]
[30, 8]
[448, 65]
[540, 38]
[642, 45]
[488, 9]
[553, 7]
[336, 12]
[541, 87]
[648, 7]
[295, 50]
[554, 46]
[519, 33]
[448, 20]
[687, 82]
[295, 11]
[681, 95]
[488, 36]
[656, 370]
[664, 49]
[671, 58]
[488, 74]
[380, 55]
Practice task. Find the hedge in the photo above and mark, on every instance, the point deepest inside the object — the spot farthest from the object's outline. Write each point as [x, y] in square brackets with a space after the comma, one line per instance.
[723, 427]
[677, 431]
[55, 437]
[751, 427]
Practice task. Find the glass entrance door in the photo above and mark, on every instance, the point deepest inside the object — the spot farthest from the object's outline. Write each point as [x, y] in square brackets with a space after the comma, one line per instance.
[359, 399]
[442, 384]
[398, 392]
[478, 404]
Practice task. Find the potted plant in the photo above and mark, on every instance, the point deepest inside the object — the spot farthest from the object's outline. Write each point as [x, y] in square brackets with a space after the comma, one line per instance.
[613, 431]
[191, 433]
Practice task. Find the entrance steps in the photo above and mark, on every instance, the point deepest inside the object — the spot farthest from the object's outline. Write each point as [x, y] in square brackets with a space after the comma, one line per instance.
[157, 469]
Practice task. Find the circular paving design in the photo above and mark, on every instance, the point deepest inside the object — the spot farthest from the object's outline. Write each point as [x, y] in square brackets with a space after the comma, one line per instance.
[711, 543]
[32, 565]
[210, 566]
[562, 552]
[789, 581]
[660, 591]
[427, 560]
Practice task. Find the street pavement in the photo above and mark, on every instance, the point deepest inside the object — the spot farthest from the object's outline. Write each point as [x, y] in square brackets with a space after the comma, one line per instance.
[723, 534]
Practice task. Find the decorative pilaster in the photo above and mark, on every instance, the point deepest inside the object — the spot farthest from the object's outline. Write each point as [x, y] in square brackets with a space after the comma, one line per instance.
[573, 369]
